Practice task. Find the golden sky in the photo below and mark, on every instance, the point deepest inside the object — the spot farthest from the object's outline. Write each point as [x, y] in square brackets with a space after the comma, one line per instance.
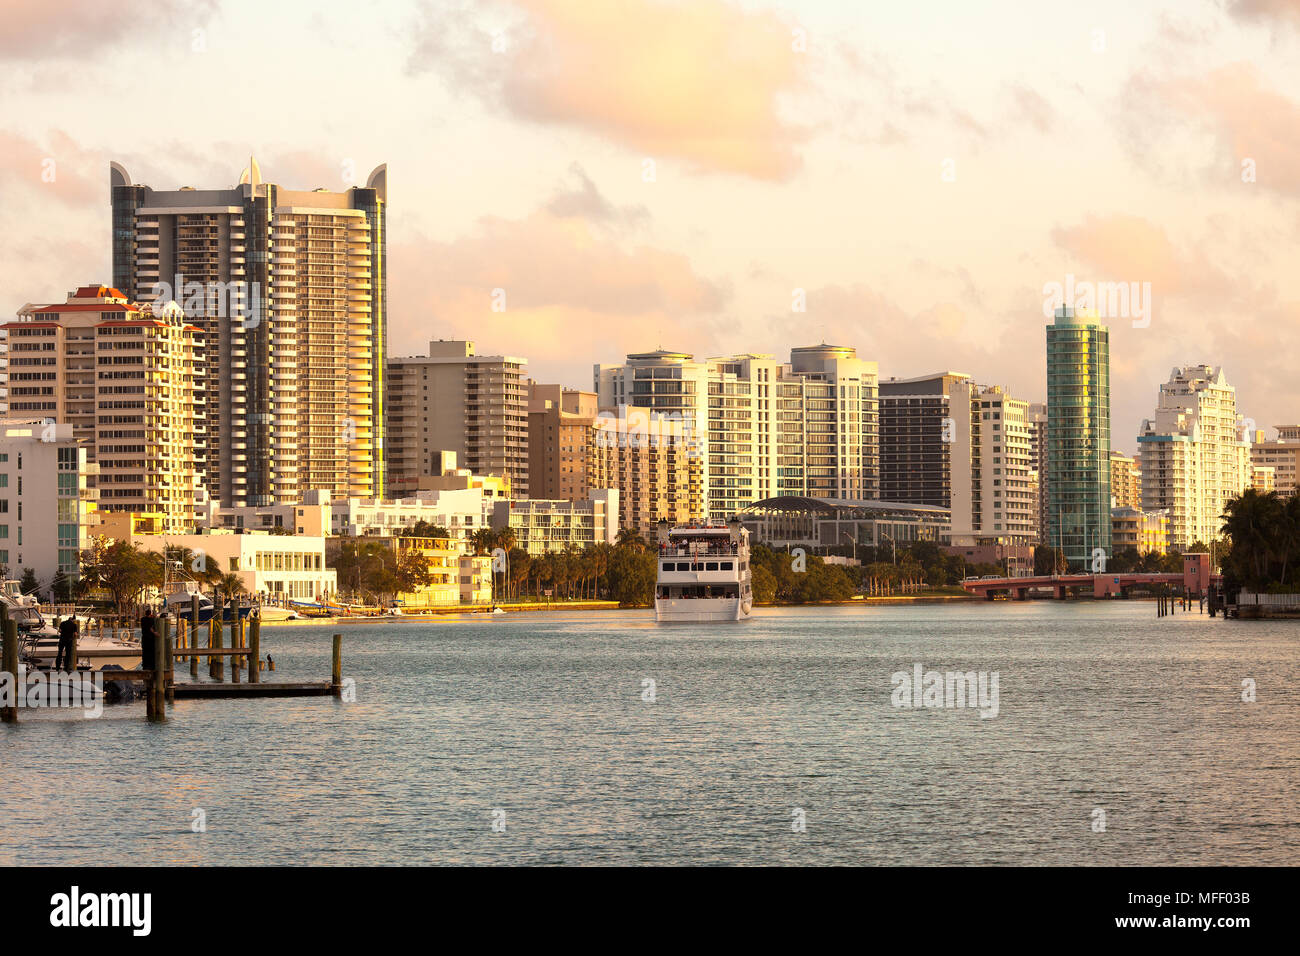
[636, 173]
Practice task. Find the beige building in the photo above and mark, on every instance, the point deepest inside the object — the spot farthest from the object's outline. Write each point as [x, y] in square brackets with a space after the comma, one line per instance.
[1125, 481]
[289, 288]
[453, 399]
[47, 503]
[765, 428]
[1263, 479]
[656, 468]
[1147, 531]
[123, 378]
[1281, 456]
[271, 565]
[560, 422]
[457, 576]
[1193, 457]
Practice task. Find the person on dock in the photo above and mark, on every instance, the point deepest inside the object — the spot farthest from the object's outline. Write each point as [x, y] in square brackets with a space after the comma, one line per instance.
[68, 631]
[148, 637]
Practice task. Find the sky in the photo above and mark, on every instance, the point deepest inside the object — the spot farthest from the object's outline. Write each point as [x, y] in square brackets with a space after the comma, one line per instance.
[635, 174]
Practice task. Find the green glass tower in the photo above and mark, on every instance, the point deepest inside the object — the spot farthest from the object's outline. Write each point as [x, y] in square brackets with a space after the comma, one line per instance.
[1078, 438]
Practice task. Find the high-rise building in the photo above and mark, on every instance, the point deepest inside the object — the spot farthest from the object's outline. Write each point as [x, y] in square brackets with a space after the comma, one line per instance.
[289, 289]
[559, 429]
[948, 442]
[1125, 481]
[122, 377]
[918, 429]
[47, 503]
[1282, 456]
[455, 400]
[1194, 456]
[1078, 437]
[655, 465]
[806, 427]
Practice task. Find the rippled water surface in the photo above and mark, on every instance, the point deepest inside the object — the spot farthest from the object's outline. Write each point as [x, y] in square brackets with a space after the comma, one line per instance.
[1101, 705]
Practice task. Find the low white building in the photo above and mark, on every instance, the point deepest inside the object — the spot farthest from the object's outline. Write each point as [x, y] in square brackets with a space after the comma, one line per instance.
[284, 566]
[46, 504]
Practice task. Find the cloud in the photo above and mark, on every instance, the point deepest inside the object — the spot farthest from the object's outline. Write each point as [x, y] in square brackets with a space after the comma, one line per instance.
[580, 198]
[699, 81]
[1028, 106]
[1244, 120]
[34, 29]
[1279, 11]
[58, 168]
[573, 290]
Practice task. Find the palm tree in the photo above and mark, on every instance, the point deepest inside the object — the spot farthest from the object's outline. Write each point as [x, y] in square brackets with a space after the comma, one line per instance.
[630, 537]
[1251, 521]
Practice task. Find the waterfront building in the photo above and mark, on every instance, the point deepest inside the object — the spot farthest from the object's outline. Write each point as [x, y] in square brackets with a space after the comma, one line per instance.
[797, 521]
[541, 526]
[1263, 478]
[1147, 531]
[47, 501]
[1078, 436]
[456, 575]
[764, 428]
[1194, 456]
[1281, 457]
[1036, 416]
[455, 400]
[271, 566]
[290, 291]
[123, 377]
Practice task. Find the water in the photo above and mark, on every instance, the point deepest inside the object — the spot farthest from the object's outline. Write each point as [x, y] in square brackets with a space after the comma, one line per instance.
[1102, 705]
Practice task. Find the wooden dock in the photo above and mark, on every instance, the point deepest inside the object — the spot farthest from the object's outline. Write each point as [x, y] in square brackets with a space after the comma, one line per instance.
[158, 674]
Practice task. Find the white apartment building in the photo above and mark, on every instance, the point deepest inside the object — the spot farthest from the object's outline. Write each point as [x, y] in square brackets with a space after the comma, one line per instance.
[454, 400]
[805, 427]
[47, 504]
[1194, 458]
[289, 288]
[995, 486]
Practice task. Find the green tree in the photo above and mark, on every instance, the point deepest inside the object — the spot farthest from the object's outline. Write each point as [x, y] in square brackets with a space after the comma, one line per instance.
[29, 584]
[122, 569]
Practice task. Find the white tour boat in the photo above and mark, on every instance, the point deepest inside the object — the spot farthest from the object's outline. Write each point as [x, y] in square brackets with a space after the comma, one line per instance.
[704, 573]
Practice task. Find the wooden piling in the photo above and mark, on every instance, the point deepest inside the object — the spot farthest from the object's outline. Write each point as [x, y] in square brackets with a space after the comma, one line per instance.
[234, 643]
[336, 673]
[165, 660]
[255, 651]
[216, 665]
[194, 641]
[9, 664]
[72, 665]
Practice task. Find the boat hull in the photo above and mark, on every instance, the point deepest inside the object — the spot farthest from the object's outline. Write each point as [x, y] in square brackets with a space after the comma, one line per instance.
[700, 610]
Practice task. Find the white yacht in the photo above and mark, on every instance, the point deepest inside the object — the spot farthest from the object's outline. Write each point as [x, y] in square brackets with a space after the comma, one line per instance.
[704, 573]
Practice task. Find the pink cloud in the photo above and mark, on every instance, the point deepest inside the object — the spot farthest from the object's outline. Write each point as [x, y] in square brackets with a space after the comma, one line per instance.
[39, 28]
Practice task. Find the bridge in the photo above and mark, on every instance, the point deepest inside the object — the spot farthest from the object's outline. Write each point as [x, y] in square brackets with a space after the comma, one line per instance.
[1194, 580]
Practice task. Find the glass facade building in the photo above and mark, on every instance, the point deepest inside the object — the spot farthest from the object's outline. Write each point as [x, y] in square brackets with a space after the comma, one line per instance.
[1078, 437]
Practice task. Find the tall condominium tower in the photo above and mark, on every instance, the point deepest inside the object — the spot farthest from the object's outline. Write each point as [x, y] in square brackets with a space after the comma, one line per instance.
[560, 421]
[123, 380]
[455, 400]
[948, 442]
[806, 427]
[1078, 436]
[1194, 455]
[289, 289]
